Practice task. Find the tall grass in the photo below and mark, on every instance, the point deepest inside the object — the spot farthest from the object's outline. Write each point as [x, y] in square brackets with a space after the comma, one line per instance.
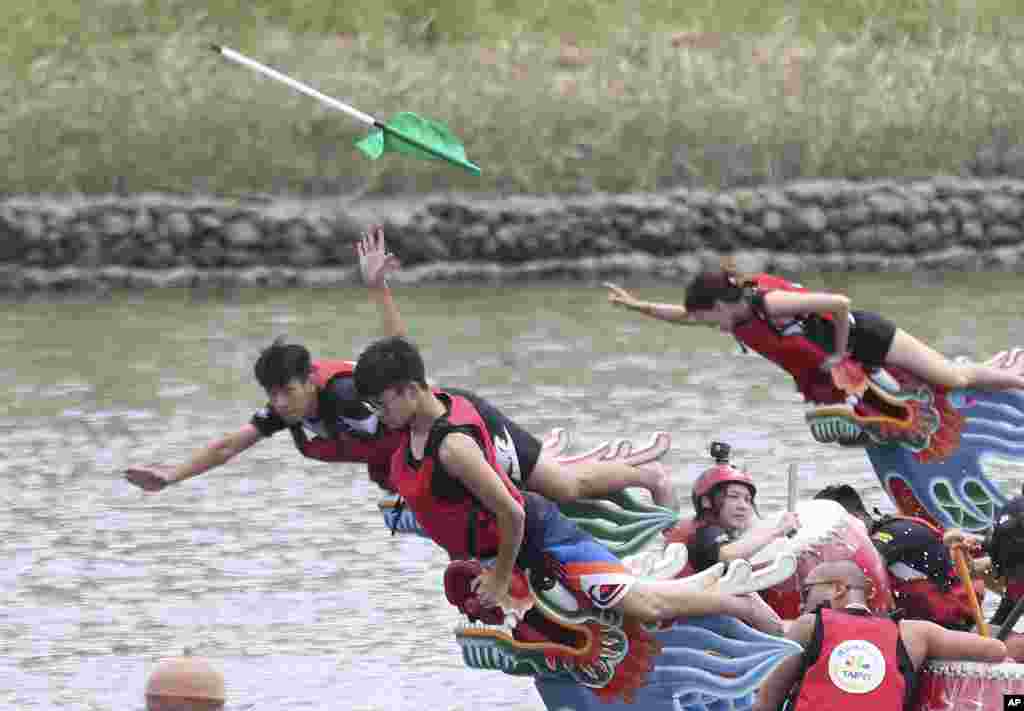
[641, 94]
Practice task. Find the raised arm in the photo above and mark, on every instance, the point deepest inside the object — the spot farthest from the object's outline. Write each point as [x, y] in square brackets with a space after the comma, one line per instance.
[463, 459]
[218, 452]
[793, 303]
[672, 313]
[375, 264]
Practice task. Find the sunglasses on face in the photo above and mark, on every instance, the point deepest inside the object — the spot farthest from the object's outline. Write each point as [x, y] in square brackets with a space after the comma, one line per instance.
[805, 589]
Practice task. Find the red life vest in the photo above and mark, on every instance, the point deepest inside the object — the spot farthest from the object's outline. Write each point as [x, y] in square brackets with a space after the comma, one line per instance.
[375, 451]
[446, 510]
[857, 668]
[796, 354]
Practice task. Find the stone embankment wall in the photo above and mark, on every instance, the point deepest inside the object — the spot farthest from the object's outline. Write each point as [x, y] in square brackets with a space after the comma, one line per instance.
[158, 240]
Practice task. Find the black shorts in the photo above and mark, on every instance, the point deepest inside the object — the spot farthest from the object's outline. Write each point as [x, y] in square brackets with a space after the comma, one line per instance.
[871, 338]
[526, 447]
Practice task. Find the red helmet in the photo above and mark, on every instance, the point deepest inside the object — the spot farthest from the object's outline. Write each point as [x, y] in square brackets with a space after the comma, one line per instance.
[719, 475]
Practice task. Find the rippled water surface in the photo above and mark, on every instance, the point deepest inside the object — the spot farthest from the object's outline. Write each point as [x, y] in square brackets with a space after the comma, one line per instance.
[278, 567]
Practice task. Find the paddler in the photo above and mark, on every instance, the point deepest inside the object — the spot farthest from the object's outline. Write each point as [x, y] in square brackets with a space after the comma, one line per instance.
[1001, 553]
[854, 660]
[922, 575]
[724, 528]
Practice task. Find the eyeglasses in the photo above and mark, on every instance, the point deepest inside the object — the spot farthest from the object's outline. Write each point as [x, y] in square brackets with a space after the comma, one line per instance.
[377, 404]
[374, 404]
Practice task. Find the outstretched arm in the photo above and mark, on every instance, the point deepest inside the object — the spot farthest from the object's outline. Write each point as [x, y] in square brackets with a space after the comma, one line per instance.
[749, 544]
[795, 303]
[375, 264]
[672, 313]
[928, 640]
[218, 452]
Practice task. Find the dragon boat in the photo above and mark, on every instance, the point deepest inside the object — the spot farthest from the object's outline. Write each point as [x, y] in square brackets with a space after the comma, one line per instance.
[586, 658]
[589, 659]
[935, 452]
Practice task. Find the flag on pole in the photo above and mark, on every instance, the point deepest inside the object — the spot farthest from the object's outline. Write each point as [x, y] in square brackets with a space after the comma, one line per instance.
[414, 135]
[406, 133]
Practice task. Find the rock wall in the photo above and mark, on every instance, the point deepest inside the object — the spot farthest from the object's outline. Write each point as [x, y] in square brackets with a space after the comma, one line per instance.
[160, 240]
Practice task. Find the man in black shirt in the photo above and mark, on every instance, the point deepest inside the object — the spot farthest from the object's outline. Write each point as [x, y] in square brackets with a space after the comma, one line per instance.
[923, 578]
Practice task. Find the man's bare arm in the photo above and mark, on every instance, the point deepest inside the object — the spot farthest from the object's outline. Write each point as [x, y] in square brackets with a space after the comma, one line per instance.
[775, 688]
[463, 459]
[218, 452]
[671, 313]
[375, 264]
[941, 643]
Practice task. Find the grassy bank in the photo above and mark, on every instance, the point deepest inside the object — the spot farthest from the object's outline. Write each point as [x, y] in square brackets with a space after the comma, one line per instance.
[581, 94]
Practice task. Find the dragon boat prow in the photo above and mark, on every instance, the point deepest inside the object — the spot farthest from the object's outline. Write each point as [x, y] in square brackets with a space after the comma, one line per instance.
[586, 658]
[935, 450]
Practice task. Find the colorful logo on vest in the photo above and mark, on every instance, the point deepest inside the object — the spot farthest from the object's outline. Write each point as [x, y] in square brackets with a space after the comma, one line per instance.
[856, 666]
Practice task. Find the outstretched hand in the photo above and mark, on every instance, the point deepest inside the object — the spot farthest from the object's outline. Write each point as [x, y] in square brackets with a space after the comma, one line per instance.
[153, 478]
[620, 297]
[375, 262]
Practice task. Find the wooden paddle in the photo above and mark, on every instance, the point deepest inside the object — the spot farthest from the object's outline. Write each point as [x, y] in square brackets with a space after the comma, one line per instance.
[964, 568]
[792, 484]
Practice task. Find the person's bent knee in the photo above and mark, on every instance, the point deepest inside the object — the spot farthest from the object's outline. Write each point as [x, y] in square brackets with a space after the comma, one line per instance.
[551, 479]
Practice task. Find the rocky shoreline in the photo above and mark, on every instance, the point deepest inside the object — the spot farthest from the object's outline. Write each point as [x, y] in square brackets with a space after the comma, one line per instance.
[146, 241]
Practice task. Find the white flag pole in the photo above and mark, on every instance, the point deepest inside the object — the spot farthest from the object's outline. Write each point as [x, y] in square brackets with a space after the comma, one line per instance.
[425, 146]
[295, 84]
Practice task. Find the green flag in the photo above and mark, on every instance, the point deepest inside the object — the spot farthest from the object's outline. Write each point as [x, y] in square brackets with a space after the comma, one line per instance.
[414, 135]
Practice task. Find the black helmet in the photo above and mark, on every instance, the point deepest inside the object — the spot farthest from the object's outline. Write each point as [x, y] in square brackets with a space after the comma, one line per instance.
[1006, 542]
[846, 496]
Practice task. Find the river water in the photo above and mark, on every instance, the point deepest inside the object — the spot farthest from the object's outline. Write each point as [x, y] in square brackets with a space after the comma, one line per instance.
[279, 568]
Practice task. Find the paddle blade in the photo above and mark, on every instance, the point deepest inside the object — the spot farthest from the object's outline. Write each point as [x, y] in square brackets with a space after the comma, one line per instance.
[413, 135]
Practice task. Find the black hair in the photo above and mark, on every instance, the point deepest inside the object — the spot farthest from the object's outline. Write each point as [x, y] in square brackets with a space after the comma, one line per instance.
[846, 496]
[281, 362]
[1006, 542]
[709, 287]
[388, 363]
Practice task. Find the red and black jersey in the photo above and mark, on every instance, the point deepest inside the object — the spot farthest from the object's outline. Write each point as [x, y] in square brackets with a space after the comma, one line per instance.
[798, 345]
[345, 429]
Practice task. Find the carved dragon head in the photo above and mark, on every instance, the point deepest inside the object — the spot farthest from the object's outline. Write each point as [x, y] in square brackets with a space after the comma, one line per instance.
[898, 410]
[548, 634]
[934, 449]
[552, 636]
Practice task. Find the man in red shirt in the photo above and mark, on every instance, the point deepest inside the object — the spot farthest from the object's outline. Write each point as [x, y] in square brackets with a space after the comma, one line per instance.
[854, 660]
[316, 401]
